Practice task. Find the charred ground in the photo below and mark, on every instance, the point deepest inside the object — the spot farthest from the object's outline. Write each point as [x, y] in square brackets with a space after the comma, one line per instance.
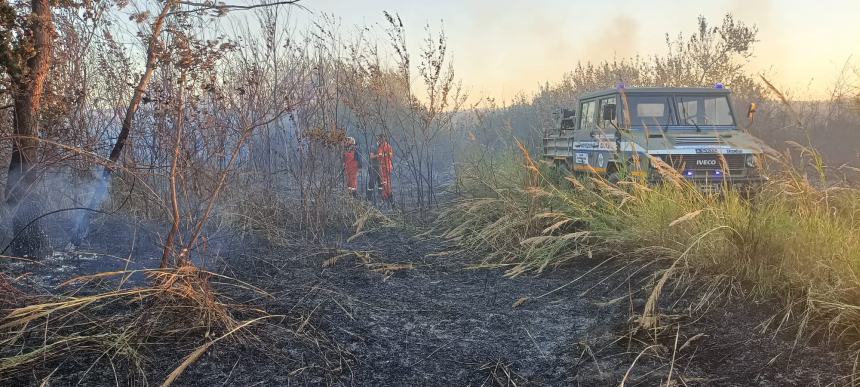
[393, 307]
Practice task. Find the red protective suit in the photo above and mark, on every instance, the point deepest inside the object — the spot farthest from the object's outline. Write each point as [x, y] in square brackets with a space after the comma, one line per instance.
[385, 155]
[351, 164]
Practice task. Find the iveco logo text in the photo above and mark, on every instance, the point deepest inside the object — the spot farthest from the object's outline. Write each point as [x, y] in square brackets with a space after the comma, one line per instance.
[706, 162]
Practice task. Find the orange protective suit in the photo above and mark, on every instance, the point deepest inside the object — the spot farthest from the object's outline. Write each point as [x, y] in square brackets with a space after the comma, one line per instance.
[351, 164]
[385, 156]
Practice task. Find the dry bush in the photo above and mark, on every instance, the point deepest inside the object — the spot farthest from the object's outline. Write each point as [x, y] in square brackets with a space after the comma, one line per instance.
[283, 219]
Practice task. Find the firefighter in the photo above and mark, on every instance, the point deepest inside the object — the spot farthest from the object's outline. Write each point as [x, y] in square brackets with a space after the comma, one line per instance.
[351, 165]
[374, 183]
[384, 157]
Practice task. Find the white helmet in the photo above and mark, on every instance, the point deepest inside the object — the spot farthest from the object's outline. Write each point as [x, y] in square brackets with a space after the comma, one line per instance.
[350, 141]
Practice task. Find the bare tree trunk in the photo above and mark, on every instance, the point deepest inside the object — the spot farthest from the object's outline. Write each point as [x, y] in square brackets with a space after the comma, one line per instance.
[27, 89]
[174, 198]
[83, 223]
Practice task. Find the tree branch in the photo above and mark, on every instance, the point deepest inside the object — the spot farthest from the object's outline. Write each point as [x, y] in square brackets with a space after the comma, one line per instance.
[224, 8]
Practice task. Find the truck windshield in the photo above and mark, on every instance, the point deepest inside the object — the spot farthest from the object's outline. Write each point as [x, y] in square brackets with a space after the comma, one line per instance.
[650, 111]
[704, 110]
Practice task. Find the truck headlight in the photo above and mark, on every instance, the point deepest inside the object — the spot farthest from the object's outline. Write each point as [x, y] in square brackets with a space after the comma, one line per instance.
[752, 161]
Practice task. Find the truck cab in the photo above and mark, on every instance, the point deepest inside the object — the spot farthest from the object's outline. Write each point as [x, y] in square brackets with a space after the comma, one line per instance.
[627, 132]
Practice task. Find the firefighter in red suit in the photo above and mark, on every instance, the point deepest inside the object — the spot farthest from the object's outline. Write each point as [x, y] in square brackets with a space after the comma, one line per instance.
[351, 165]
[384, 156]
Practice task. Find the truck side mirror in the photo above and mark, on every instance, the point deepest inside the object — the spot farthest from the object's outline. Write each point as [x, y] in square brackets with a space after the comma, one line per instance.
[608, 113]
[568, 119]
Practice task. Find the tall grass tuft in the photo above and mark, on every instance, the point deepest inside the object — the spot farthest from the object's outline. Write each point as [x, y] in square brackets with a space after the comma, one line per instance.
[797, 238]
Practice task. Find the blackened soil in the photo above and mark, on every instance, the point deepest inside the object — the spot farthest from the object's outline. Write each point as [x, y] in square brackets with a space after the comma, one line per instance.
[444, 322]
[394, 309]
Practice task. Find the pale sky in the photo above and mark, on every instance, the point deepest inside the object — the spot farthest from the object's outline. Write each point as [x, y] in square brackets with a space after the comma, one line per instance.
[504, 47]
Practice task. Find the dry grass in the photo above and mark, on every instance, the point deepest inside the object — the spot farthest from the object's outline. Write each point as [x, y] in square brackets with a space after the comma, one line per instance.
[121, 326]
[282, 219]
[500, 373]
[11, 294]
[367, 260]
[798, 239]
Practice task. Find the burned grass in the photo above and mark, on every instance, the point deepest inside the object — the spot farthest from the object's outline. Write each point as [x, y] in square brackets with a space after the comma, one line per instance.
[129, 324]
[447, 322]
[398, 307]
[96, 318]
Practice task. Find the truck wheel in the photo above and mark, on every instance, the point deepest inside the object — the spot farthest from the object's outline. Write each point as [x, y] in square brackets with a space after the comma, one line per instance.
[749, 192]
[560, 170]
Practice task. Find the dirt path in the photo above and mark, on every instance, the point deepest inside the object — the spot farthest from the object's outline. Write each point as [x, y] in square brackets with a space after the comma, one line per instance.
[406, 311]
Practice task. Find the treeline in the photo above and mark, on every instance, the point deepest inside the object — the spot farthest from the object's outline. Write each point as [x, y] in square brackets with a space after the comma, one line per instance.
[177, 110]
[712, 54]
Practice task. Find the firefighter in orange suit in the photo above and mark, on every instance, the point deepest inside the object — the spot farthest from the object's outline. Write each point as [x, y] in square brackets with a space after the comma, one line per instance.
[384, 156]
[351, 165]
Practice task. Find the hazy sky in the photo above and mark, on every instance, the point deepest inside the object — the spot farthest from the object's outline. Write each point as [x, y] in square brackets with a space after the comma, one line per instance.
[503, 47]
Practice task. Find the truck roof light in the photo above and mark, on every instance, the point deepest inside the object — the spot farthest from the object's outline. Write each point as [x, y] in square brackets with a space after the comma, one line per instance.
[619, 85]
[719, 85]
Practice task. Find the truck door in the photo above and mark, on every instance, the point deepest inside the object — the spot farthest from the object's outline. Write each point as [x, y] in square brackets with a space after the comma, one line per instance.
[606, 134]
[607, 124]
[583, 142]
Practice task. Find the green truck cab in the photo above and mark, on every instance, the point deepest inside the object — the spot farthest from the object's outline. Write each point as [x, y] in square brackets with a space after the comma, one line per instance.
[624, 132]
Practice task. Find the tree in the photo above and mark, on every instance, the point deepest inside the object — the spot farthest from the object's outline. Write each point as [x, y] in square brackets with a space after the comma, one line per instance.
[714, 54]
[153, 50]
[26, 45]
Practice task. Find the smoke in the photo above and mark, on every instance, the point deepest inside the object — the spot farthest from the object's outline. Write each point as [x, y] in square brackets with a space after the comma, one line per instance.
[772, 47]
[57, 192]
[758, 11]
[515, 49]
[546, 45]
[617, 39]
[97, 188]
